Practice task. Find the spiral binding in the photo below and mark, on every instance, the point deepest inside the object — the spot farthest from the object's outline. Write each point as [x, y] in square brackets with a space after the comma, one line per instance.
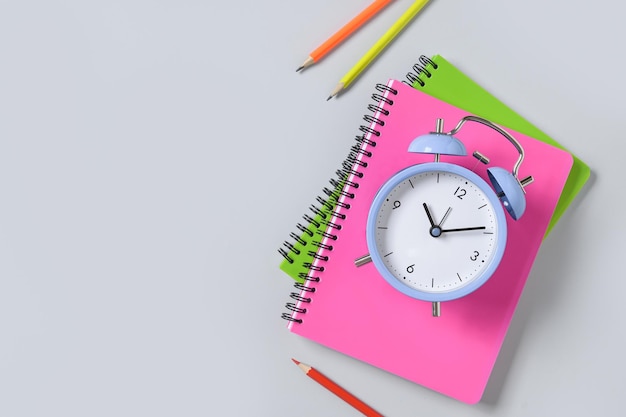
[418, 69]
[332, 205]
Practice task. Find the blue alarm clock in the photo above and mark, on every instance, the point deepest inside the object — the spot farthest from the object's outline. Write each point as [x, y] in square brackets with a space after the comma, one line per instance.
[437, 231]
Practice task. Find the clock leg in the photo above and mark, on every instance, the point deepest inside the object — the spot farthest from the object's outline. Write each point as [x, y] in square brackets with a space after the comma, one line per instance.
[363, 260]
[436, 309]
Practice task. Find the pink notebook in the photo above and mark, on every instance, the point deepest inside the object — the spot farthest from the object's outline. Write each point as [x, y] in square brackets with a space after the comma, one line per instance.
[356, 312]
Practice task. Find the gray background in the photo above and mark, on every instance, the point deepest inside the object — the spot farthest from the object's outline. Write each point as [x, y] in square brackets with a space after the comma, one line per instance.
[155, 154]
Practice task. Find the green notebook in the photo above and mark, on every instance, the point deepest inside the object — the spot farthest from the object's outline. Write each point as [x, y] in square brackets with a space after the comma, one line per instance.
[438, 78]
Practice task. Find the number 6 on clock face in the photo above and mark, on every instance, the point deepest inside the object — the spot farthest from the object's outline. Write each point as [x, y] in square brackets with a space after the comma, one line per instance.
[436, 231]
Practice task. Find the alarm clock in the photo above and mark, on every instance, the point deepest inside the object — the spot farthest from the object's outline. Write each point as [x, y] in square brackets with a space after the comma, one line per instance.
[437, 231]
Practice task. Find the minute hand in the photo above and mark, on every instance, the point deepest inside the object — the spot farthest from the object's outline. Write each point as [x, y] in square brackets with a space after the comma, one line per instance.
[463, 229]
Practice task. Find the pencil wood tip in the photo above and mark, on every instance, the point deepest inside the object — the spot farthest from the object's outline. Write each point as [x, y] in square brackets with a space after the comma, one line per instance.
[336, 91]
[307, 63]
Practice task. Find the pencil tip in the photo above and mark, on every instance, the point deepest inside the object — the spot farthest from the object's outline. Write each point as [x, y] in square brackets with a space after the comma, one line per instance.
[336, 91]
[307, 63]
[295, 361]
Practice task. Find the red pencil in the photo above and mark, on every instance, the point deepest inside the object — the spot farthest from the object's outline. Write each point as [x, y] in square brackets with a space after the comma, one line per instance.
[337, 390]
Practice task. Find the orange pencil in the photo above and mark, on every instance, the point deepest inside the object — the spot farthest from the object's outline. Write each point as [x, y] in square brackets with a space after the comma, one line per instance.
[337, 390]
[344, 32]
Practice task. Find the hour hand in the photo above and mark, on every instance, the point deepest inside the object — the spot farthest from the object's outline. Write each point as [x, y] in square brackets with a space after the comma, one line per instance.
[430, 217]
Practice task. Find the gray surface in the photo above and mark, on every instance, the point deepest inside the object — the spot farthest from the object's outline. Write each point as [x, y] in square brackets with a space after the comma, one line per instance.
[152, 160]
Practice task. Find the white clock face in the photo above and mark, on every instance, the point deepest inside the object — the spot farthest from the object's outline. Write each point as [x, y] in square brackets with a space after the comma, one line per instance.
[436, 231]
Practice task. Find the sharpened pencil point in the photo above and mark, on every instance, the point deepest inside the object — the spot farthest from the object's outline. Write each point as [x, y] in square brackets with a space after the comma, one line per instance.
[336, 91]
[307, 63]
[295, 361]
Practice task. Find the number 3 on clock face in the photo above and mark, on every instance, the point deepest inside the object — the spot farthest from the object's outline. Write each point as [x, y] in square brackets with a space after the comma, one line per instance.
[436, 231]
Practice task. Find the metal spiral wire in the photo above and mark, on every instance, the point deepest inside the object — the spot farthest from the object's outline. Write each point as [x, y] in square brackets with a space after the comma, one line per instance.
[332, 207]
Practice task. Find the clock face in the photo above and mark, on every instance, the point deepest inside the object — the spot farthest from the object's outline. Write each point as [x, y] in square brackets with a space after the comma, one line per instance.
[436, 231]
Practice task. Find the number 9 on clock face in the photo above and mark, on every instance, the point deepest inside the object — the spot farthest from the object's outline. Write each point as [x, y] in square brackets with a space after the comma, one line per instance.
[436, 231]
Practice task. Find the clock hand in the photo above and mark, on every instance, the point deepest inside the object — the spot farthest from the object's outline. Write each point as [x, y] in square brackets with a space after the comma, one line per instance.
[445, 216]
[463, 229]
[430, 218]
[435, 230]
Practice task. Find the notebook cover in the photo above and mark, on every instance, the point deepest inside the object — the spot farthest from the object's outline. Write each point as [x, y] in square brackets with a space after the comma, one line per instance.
[356, 312]
[449, 84]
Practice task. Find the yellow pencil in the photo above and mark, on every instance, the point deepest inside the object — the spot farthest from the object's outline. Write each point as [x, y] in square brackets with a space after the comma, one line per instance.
[369, 56]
